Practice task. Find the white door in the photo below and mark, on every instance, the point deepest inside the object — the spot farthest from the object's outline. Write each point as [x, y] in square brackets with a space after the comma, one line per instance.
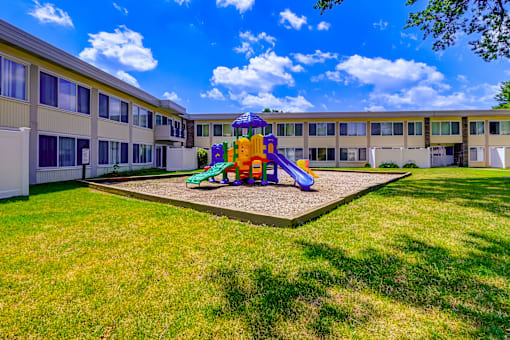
[497, 157]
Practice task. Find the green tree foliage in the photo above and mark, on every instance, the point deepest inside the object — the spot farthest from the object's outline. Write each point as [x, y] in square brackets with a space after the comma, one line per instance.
[202, 156]
[269, 110]
[503, 97]
[487, 21]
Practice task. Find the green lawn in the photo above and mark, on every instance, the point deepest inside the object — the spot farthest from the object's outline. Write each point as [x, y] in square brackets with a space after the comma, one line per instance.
[425, 257]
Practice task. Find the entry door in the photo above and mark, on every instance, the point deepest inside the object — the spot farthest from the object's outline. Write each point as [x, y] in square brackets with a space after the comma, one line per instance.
[158, 156]
[497, 157]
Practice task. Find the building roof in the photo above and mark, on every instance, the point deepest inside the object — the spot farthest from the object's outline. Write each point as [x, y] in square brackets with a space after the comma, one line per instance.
[348, 115]
[14, 36]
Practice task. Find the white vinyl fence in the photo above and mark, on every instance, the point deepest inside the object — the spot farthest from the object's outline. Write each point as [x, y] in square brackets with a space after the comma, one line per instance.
[181, 159]
[400, 156]
[499, 157]
[14, 153]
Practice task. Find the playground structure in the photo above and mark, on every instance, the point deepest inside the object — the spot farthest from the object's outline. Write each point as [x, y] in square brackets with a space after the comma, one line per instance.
[250, 157]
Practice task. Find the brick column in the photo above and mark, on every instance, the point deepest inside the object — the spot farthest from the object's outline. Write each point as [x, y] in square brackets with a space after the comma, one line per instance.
[426, 131]
[190, 133]
[465, 142]
[305, 140]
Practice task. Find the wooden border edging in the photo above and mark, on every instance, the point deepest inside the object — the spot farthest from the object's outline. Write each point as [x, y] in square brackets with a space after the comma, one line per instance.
[242, 215]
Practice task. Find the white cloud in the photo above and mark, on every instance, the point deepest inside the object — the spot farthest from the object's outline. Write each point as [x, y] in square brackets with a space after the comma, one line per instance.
[213, 94]
[323, 26]
[462, 78]
[48, 13]
[334, 76]
[124, 46]
[127, 78]
[292, 19]
[241, 5]
[262, 74]
[180, 2]
[315, 58]
[382, 25]
[411, 36]
[265, 99]
[386, 74]
[375, 108]
[423, 97]
[171, 96]
[248, 41]
[121, 9]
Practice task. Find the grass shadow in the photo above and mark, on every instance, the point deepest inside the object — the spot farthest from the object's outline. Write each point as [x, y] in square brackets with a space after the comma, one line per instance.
[436, 279]
[42, 189]
[491, 194]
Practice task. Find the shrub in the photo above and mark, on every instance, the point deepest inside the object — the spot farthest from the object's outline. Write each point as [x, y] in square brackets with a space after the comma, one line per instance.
[368, 165]
[202, 156]
[411, 166]
[388, 165]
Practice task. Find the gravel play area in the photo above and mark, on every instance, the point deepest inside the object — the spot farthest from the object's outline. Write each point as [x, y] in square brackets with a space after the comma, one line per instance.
[282, 199]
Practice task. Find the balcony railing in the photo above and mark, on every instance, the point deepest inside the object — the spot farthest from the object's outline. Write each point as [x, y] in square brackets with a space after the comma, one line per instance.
[167, 132]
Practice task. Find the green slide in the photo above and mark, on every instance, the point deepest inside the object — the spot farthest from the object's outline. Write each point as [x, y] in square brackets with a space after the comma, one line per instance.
[215, 170]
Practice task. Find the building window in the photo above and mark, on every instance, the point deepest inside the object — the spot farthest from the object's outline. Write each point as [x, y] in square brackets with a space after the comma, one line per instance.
[48, 88]
[142, 154]
[218, 130]
[13, 79]
[353, 154]
[142, 117]
[83, 100]
[64, 94]
[159, 120]
[112, 152]
[227, 130]
[445, 128]
[293, 154]
[477, 154]
[113, 109]
[353, 129]
[414, 128]
[321, 154]
[387, 129]
[477, 128]
[289, 129]
[202, 130]
[321, 129]
[47, 151]
[500, 128]
[103, 152]
[61, 151]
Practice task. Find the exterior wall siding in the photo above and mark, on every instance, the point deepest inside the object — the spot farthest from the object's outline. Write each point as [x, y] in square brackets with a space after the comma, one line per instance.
[112, 130]
[14, 114]
[59, 175]
[141, 135]
[58, 121]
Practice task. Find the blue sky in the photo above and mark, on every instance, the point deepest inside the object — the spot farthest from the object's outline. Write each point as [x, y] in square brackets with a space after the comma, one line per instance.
[244, 55]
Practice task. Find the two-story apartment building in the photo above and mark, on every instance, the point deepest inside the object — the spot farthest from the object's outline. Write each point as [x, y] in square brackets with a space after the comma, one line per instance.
[332, 139]
[69, 105]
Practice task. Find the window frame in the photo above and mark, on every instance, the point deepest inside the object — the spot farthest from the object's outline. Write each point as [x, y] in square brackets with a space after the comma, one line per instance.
[414, 126]
[77, 83]
[27, 77]
[107, 94]
[347, 135]
[317, 154]
[58, 135]
[202, 126]
[357, 160]
[441, 128]
[381, 130]
[140, 144]
[109, 140]
[476, 122]
[293, 148]
[285, 127]
[317, 130]
[499, 127]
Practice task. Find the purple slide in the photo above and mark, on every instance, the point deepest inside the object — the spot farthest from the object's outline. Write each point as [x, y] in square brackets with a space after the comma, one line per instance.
[304, 180]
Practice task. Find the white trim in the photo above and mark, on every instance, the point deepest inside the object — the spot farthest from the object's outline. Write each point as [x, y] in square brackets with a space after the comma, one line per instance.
[100, 139]
[57, 135]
